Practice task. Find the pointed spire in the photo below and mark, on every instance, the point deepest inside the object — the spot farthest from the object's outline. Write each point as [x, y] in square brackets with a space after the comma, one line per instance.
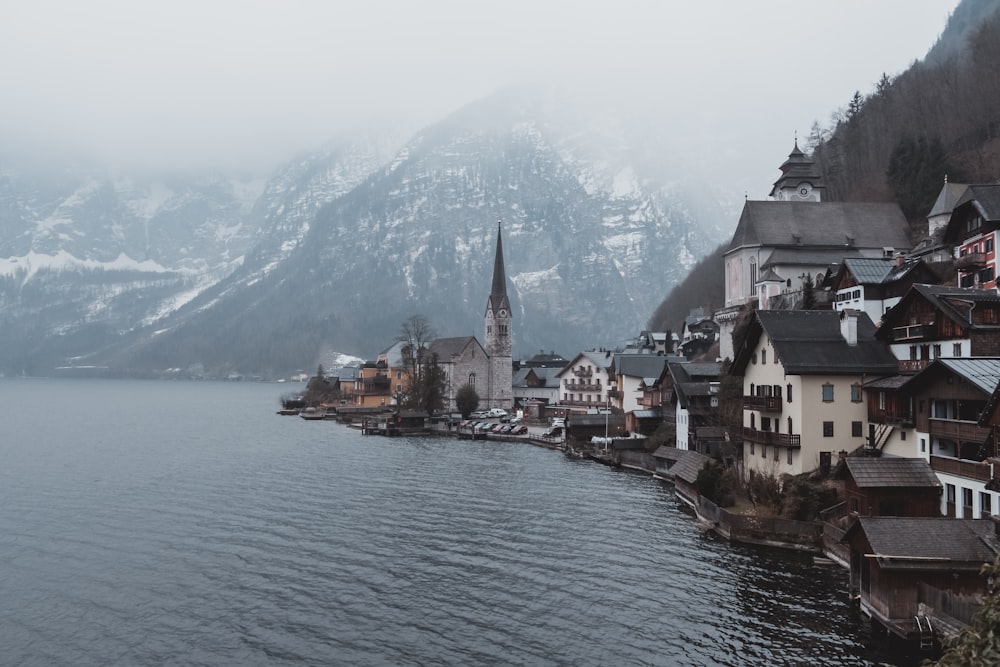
[499, 290]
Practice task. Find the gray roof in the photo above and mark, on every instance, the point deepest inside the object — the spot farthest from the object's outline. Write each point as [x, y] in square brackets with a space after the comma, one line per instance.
[821, 225]
[810, 342]
[447, 347]
[984, 372]
[710, 432]
[928, 542]
[873, 270]
[986, 199]
[668, 453]
[883, 472]
[655, 413]
[810, 257]
[688, 466]
[946, 200]
[891, 382]
[954, 303]
[547, 376]
[639, 365]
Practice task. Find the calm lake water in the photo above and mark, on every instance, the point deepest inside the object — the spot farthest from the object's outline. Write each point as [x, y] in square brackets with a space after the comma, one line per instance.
[150, 523]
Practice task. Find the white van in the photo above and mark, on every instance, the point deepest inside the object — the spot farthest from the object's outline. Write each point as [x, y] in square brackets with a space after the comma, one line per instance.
[496, 412]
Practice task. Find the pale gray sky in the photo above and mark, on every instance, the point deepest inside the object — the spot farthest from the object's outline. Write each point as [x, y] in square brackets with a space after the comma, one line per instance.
[247, 81]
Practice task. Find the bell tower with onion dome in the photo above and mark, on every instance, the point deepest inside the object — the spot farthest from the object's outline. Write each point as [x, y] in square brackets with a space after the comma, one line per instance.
[498, 336]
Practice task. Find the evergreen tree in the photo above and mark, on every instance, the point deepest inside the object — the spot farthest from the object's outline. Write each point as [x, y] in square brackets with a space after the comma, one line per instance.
[467, 400]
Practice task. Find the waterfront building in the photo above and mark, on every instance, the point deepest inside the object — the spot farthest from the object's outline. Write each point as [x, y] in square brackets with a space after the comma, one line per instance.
[803, 372]
[875, 284]
[694, 400]
[889, 486]
[588, 380]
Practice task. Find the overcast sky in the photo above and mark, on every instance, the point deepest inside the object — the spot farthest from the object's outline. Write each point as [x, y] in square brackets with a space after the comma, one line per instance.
[228, 82]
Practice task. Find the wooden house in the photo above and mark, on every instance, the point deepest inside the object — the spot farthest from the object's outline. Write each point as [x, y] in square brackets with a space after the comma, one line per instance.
[685, 475]
[891, 487]
[898, 564]
[973, 229]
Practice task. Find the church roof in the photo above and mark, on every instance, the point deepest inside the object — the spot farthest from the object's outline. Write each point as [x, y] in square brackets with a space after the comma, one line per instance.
[446, 348]
[947, 199]
[846, 225]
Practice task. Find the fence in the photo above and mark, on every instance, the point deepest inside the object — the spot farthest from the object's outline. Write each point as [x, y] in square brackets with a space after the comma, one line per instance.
[743, 528]
[637, 459]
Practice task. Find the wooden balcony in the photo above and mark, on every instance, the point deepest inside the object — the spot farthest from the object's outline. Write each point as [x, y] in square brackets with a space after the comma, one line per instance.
[771, 438]
[614, 393]
[583, 372]
[889, 417]
[913, 365]
[981, 472]
[958, 431]
[912, 332]
[582, 386]
[762, 403]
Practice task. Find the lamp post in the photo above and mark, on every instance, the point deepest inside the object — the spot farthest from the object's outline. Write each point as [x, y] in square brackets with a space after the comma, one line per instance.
[607, 415]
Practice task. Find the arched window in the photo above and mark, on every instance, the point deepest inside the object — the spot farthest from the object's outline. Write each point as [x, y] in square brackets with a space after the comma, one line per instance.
[753, 275]
[472, 380]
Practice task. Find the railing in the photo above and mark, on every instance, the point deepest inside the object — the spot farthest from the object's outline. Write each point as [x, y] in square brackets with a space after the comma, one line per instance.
[580, 386]
[960, 431]
[583, 372]
[762, 403]
[912, 332]
[614, 393]
[981, 472]
[771, 438]
[913, 365]
[889, 417]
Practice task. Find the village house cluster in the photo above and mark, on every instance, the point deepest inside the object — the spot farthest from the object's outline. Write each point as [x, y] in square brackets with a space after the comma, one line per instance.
[858, 351]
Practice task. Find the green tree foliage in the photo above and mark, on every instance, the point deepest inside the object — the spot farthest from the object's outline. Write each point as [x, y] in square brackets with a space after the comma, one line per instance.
[715, 483]
[979, 644]
[467, 400]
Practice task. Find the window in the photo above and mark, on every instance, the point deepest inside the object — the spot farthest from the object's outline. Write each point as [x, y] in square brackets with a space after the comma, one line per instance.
[751, 446]
[956, 349]
[763, 356]
[753, 359]
[827, 429]
[988, 247]
[472, 380]
[777, 452]
[855, 393]
[789, 456]
[913, 353]
[949, 493]
[966, 502]
[765, 423]
[937, 352]
[856, 430]
[902, 434]
[985, 505]
[788, 392]
[827, 393]
[763, 451]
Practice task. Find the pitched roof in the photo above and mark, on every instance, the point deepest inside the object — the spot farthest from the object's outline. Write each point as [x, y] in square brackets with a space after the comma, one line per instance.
[883, 472]
[821, 224]
[955, 303]
[928, 542]
[668, 453]
[810, 342]
[946, 200]
[984, 372]
[986, 199]
[639, 365]
[498, 292]
[688, 466]
[875, 270]
[448, 347]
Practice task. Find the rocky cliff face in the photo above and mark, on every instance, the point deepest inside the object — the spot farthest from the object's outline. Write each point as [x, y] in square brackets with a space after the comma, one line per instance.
[339, 247]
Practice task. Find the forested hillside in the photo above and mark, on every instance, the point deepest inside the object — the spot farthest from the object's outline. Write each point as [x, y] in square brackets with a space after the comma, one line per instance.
[940, 118]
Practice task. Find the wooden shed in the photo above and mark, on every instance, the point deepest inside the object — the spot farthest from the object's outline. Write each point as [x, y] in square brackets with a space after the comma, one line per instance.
[891, 487]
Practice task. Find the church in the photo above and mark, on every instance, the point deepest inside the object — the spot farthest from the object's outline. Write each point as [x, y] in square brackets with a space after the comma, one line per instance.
[487, 367]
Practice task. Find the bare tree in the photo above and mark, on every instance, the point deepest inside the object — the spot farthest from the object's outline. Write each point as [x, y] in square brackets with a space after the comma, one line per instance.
[416, 334]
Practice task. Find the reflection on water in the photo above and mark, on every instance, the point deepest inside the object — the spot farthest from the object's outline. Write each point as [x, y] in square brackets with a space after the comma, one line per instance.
[146, 523]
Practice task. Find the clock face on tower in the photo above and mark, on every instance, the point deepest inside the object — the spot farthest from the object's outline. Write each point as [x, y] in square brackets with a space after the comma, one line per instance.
[804, 190]
[503, 313]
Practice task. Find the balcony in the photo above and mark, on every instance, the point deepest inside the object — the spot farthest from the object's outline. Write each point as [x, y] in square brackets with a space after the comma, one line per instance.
[582, 386]
[771, 438]
[762, 403]
[913, 365]
[981, 472]
[614, 393]
[583, 372]
[889, 417]
[913, 332]
[958, 431]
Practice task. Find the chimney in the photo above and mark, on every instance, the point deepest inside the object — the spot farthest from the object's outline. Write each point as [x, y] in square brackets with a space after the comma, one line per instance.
[900, 259]
[849, 326]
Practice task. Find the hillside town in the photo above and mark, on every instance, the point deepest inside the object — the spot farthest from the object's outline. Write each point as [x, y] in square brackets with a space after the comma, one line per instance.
[844, 400]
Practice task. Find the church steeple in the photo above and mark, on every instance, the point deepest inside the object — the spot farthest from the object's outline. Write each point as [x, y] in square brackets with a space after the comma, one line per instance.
[498, 335]
[498, 293]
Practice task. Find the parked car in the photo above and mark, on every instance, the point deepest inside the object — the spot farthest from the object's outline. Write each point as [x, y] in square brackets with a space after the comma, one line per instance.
[519, 430]
[515, 420]
[505, 428]
[496, 412]
[496, 427]
[553, 432]
[558, 421]
[479, 414]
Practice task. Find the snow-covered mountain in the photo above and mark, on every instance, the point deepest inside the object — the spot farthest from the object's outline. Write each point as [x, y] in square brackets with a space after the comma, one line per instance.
[339, 247]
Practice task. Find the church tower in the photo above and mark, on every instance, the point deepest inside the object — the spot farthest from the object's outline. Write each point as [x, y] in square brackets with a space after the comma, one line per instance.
[498, 336]
[800, 179]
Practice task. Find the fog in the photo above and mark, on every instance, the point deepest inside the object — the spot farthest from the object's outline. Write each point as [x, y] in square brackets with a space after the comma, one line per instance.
[250, 83]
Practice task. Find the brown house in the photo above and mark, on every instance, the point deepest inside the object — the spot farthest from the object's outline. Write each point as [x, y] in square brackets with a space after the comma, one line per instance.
[901, 565]
[891, 487]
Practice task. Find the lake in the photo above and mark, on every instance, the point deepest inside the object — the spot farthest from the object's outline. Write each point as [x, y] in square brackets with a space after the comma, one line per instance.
[151, 523]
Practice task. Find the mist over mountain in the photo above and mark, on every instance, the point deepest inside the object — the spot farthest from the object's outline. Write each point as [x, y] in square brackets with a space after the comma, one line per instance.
[338, 247]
